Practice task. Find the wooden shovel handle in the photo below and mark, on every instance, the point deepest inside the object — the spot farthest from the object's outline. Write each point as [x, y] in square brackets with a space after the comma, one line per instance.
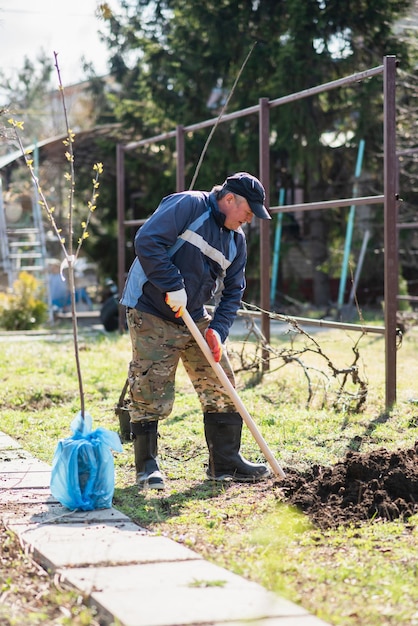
[229, 388]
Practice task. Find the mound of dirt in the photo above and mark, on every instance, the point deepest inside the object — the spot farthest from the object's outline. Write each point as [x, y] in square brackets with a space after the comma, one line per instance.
[379, 484]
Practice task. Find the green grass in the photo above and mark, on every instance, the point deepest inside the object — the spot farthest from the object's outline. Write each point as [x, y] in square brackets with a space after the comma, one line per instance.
[349, 576]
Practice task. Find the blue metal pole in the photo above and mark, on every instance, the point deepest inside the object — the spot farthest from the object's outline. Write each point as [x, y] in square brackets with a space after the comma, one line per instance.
[350, 226]
[276, 250]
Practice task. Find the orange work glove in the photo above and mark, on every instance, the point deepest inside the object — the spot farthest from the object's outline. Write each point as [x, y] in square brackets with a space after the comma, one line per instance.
[214, 342]
[177, 301]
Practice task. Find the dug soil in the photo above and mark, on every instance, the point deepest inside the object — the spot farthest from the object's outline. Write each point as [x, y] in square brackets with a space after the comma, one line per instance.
[380, 484]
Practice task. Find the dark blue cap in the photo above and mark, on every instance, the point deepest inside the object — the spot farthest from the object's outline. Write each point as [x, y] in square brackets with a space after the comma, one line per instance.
[250, 188]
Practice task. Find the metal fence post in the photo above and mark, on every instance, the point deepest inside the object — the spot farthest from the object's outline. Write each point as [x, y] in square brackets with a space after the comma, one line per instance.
[180, 182]
[121, 243]
[390, 225]
[265, 260]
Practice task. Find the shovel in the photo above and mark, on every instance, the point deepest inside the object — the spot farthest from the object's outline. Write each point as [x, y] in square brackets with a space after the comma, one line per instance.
[229, 388]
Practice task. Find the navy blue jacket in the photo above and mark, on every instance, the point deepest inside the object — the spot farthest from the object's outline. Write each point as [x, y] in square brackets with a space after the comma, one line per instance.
[185, 244]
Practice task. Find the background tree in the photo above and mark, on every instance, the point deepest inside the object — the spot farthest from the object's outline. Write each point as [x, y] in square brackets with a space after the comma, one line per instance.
[174, 62]
[25, 94]
[407, 146]
[171, 57]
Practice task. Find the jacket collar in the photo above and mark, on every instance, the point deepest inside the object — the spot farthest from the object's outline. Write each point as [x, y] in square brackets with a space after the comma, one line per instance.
[218, 216]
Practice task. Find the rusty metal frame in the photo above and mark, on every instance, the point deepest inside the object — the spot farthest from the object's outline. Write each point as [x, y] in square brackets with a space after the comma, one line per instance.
[388, 198]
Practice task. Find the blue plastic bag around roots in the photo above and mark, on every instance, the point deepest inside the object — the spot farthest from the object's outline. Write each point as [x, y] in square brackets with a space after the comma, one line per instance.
[83, 475]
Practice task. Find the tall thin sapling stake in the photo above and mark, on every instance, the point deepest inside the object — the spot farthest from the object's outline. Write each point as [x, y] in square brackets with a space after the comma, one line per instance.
[82, 474]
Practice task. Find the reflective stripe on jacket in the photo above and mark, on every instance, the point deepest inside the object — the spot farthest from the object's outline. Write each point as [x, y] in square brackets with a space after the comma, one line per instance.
[184, 244]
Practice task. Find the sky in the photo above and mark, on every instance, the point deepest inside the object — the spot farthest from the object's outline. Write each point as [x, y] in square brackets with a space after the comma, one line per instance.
[68, 27]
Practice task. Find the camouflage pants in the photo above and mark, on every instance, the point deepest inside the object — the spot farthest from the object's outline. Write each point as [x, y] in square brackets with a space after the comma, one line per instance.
[157, 347]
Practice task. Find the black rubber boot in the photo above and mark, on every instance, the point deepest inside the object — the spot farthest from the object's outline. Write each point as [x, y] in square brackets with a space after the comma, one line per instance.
[144, 435]
[223, 437]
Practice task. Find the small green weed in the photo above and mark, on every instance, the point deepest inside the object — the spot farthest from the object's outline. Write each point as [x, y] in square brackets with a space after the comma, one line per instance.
[207, 583]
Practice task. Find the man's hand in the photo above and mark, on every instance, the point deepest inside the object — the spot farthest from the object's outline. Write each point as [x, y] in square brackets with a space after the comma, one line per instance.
[177, 301]
[214, 342]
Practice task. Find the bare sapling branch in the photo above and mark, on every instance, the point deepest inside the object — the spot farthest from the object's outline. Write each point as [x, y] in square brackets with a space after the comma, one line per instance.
[221, 114]
[67, 246]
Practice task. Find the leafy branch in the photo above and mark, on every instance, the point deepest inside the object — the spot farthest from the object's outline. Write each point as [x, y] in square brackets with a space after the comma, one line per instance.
[67, 247]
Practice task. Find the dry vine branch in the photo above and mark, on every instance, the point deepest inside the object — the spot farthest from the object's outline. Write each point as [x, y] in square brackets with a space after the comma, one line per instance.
[251, 359]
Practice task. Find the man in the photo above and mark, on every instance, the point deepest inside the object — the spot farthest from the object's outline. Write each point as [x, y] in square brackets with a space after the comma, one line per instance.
[191, 247]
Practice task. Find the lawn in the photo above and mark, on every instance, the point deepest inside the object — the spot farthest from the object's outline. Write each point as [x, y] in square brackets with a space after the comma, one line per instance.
[351, 574]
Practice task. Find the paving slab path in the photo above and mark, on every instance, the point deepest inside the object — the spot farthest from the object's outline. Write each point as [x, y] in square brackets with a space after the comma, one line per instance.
[133, 577]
